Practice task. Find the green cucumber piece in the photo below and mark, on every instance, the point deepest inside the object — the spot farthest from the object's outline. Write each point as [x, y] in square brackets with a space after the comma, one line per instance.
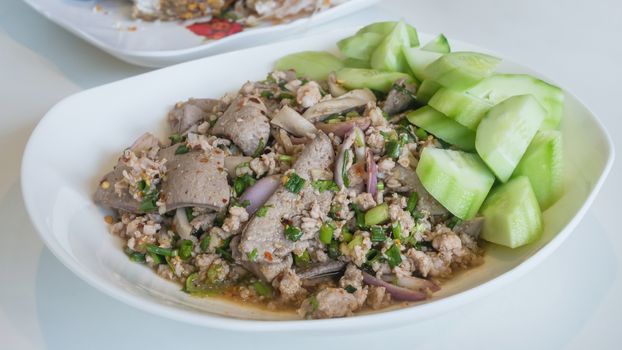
[461, 70]
[314, 65]
[384, 28]
[464, 108]
[426, 90]
[356, 63]
[419, 59]
[388, 55]
[506, 131]
[512, 217]
[498, 87]
[358, 78]
[443, 127]
[438, 44]
[542, 163]
[460, 181]
[360, 46]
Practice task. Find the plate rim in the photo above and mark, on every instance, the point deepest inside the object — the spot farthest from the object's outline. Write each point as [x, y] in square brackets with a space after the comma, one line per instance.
[382, 319]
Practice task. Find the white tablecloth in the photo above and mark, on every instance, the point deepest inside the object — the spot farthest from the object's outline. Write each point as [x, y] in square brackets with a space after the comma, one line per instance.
[571, 301]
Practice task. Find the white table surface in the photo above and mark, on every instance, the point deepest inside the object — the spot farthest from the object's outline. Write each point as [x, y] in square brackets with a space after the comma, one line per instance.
[571, 301]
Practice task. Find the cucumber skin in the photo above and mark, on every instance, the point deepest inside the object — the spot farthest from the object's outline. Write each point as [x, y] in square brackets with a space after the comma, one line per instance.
[512, 216]
[461, 70]
[358, 78]
[499, 87]
[426, 90]
[315, 65]
[438, 44]
[542, 163]
[443, 127]
[466, 109]
[506, 131]
[360, 46]
[462, 194]
[384, 28]
[419, 59]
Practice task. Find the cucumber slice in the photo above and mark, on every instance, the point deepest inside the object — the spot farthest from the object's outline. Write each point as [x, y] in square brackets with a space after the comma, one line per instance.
[438, 44]
[426, 90]
[314, 65]
[466, 109]
[358, 78]
[506, 131]
[498, 87]
[388, 55]
[356, 63]
[461, 70]
[360, 46]
[443, 127]
[384, 28]
[419, 59]
[459, 181]
[543, 165]
[512, 216]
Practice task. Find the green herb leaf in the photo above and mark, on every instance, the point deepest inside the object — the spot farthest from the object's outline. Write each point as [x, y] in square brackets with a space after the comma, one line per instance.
[263, 210]
[412, 202]
[176, 138]
[182, 149]
[293, 233]
[204, 245]
[325, 185]
[241, 183]
[350, 289]
[260, 147]
[378, 234]
[333, 250]
[326, 232]
[189, 215]
[263, 289]
[152, 248]
[294, 183]
[302, 260]
[393, 256]
[252, 256]
[185, 249]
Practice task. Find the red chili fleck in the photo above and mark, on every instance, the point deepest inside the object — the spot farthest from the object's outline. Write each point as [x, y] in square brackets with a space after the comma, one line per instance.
[215, 28]
[268, 256]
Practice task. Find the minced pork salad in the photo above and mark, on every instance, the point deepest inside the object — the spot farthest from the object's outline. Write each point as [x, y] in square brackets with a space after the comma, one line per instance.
[308, 191]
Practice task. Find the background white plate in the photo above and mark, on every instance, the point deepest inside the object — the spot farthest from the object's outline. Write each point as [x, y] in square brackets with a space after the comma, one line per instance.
[79, 139]
[159, 44]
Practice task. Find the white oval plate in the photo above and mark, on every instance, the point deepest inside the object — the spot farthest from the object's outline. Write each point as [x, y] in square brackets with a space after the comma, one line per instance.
[81, 137]
[158, 44]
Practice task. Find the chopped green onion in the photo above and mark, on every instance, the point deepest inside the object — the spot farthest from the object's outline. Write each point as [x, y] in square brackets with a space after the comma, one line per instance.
[285, 95]
[294, 183]
[185, 249]
[176, 138]
[149, 202]
[225, 251]
[357, 240]
[377, 215]
[396, 229]
[453, 222]
[412, 202]
[241, 183]
[293, 233]
[359, 216]
[372, 256]
[344, 170]
[213, 272]
[260, 147]
[352, 114]
[421, 134]
[380, 186]
[325, 185]
[263, 210]
[314, 303]
[243, 204]
[263, 289]
[346, 235]
[350, 289]
[378, 234]
[252, 256]
[393, 149]
[157, 260]
[326, 232]
[142, 186]
[204, 245]
[193, 287]
[332, 118]
[333, 250]
[189, 213]
[302, 260]
[423, 244]
[393, 256]
[267, 94]
[219, 220]
[182, 149]
[285, 158]
[135, 256]
[386, 115]
[152, 248]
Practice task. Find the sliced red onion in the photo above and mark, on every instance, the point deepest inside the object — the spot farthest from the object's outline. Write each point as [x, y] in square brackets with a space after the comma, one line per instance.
[298, 140]
[397, 293]
[232, 162]
[182, 225]
[359, 144]
[340, 161]
[259, 193]
[290, 120]
[372, 174]
[342, 128]
[416, 283]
